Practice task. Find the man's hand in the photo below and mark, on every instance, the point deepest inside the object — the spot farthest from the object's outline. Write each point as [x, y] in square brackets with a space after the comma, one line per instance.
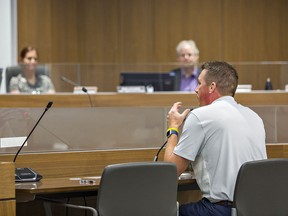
[174, 117]
[175, 120]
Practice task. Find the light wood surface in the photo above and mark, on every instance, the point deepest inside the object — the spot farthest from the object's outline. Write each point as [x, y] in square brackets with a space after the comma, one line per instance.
[8, 207]
[255, 98]
[81, 163]
[7, 189]
[92, 163]
[279, 150]
[7, 176]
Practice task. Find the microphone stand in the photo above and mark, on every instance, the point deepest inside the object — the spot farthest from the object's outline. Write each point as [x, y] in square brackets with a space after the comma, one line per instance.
[86, 91]
[27, 174]
[47, 107]
[76, 84]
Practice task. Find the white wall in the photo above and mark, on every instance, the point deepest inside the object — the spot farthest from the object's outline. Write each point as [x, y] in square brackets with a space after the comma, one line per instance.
[8, 36]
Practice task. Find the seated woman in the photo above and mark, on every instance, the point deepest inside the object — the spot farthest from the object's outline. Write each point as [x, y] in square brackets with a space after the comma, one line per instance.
[29, 81]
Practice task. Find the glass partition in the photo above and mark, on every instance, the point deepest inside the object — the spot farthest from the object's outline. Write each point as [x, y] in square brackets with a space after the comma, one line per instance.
[82, 129]
[107, 76]
[71, 129]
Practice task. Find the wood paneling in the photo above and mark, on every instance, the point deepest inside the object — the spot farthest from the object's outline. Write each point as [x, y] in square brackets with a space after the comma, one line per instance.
[136, 31]
[277, 150]
[86, 163]
[135, 100]
[7, 180]
[34, 26]
[92, 163]
[7, 189]
[253, 30]
[8, 207]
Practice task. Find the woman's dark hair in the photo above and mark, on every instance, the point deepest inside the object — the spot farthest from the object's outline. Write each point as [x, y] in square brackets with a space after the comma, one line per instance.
[27, 49]
[223, 74]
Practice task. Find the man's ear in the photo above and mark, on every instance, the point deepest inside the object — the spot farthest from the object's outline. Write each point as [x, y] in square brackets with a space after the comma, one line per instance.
[212, 87]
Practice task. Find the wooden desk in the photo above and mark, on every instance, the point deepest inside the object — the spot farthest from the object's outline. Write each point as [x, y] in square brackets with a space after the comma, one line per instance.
[7, 189]
[55, 166]
[113, 99]
[71, 187]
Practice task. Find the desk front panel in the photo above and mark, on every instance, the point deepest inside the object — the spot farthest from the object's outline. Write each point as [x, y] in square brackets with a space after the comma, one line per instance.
[159, 99]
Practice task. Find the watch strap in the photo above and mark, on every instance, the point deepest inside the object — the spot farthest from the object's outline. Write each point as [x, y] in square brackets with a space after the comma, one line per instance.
[171, 131]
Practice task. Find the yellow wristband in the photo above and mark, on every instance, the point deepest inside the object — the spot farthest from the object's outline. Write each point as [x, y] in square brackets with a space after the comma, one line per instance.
[175, 129]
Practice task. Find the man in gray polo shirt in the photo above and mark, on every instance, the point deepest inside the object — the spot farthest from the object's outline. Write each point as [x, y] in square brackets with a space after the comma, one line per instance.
[218, 137]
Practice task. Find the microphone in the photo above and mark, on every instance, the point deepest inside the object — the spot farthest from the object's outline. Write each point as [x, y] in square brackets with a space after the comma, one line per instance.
[76, 84]
[27, 174]
[156, 156]
[86, 91]
[69, 81]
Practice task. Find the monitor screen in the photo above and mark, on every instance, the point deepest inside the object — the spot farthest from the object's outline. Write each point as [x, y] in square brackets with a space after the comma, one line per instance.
[160, 81]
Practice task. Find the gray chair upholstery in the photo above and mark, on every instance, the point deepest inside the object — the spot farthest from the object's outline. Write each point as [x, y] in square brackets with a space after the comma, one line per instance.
[261, 188]
[142, 189]
[134, 189]
[15, 70]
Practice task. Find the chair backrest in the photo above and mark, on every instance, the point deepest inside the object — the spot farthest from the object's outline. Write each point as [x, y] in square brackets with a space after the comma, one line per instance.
[140, 188]
[16, 70]
[262, 187]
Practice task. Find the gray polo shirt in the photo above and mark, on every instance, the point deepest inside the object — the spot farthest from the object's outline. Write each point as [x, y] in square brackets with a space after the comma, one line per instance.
[219, 138]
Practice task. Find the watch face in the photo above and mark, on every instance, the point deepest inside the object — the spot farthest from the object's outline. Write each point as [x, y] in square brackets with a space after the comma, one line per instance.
[170, 132]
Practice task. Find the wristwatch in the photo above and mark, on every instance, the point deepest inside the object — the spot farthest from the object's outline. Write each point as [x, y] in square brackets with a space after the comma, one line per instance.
[171, 131]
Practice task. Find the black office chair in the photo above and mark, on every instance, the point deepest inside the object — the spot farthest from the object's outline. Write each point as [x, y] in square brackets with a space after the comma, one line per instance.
[139, 188]
[261, 188]
[16, 70]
